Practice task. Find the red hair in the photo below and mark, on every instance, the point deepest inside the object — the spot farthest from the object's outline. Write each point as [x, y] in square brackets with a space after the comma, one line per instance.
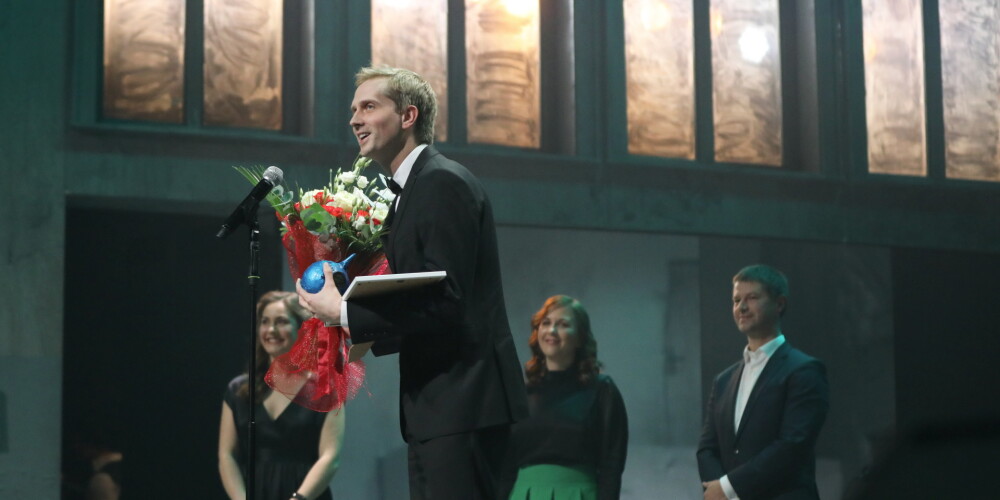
[585, 360]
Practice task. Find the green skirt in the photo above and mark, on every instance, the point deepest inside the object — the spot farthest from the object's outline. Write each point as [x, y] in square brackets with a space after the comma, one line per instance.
[554, 482]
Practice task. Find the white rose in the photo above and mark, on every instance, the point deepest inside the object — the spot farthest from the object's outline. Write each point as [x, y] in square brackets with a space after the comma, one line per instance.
[387, 195]
[381, 211]
[347, 178]
[362, 181]
[309, 197]
[360, 223]
[345, 200]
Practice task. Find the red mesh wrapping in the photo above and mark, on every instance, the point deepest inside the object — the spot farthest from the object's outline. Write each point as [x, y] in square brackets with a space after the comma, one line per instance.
[315, 372]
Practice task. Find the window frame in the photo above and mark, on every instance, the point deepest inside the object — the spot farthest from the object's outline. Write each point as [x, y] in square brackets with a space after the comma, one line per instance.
[306, 67]
[809, 93]
[935, 148]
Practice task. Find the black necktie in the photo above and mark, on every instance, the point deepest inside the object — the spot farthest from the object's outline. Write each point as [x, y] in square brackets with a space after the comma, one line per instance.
[394, 186]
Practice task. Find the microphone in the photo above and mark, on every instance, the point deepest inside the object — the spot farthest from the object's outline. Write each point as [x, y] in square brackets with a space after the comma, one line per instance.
[272, 177]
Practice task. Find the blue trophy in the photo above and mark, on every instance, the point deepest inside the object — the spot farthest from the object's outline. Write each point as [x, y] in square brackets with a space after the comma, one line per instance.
[313, 278]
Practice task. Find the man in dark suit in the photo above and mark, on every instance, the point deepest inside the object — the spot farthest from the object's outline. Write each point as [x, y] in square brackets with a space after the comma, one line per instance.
[765, 411]
[460, 380]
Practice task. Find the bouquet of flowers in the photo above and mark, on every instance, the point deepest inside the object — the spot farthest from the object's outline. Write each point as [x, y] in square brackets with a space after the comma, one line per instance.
[344, 217]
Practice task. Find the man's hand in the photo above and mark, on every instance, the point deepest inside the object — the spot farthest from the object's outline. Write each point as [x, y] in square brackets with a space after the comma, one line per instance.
[324, 304]
[713, 490]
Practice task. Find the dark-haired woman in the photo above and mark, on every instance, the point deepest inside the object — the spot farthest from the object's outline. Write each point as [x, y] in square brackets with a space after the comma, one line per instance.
[297, 449]
[573, 446]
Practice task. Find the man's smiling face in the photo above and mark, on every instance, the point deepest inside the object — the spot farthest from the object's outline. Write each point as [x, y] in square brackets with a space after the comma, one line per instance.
[377, 125]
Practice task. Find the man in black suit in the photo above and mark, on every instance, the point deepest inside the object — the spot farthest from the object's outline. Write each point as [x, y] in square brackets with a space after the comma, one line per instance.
[765, 411]
[460, 380]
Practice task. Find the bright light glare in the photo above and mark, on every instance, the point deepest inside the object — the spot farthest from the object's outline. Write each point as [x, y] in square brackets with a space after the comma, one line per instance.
[753, 45]
[520, 8]
[655, 16]
[395, 4]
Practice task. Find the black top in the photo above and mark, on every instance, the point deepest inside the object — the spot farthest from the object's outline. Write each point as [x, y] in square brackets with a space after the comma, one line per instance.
[575, 425]
[286, 448]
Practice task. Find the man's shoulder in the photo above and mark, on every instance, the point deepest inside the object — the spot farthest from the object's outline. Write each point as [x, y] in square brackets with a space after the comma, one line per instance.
[796, 358]
[728, 372]
[441, 173]
[440, 165]
[796, 366]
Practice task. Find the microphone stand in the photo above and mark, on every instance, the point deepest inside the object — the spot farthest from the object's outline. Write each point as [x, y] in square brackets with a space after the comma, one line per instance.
[252, 278]
[247, 212]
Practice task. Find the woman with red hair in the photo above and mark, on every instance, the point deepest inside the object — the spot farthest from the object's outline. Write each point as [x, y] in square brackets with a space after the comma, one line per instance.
[575, 441]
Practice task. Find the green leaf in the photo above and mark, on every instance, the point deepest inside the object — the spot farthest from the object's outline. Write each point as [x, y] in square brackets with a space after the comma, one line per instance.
[315, 218]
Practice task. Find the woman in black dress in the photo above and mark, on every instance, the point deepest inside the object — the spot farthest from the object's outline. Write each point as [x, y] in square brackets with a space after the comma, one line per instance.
[574, 443]
[297, 449]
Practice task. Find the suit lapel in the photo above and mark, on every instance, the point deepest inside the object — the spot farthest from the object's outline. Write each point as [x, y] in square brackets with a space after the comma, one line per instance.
[396, 216]
[771, 370]
[729, 399]
[388, 218]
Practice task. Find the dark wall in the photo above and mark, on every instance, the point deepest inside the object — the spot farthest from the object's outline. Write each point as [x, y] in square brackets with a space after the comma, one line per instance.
[947, 440]
[947, 336]
[157, 322]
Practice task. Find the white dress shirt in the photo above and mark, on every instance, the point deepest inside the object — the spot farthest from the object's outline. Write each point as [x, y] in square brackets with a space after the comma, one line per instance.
[753, 364]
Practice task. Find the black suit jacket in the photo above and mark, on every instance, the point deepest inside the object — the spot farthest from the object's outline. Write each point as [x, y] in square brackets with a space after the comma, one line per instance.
[458, 366]
[771, 455]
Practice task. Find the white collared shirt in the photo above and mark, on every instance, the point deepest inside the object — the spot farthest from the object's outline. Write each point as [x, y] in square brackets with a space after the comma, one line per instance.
[401, 175]
[403, 172]
[753, 364]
